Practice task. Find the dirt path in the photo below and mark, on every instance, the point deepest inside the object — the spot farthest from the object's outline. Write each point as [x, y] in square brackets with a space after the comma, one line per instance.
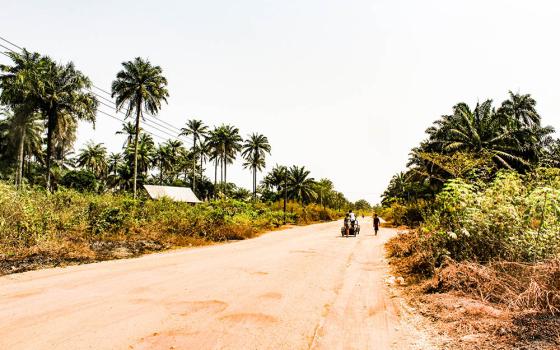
[302, 288]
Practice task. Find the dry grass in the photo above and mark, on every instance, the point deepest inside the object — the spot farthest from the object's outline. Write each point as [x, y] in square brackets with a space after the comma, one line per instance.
[494, 306]
[515, 286]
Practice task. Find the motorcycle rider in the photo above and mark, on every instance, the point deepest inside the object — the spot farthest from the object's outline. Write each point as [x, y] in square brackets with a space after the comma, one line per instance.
[346, 225]
[352, 216]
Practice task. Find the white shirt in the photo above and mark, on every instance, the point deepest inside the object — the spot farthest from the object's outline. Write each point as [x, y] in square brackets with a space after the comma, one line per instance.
[352, 217]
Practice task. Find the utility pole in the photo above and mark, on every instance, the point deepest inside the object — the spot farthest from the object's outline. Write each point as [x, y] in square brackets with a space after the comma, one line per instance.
[285, 192]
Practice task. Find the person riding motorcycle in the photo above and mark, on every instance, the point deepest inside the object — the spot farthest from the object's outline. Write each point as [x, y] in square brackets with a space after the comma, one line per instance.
[352, 216]
[347, 225]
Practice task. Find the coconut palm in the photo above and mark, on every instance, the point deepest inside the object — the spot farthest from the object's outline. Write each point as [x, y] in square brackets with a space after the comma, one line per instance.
[94, 158]
[114, 161]
[231, 143]
[128, 129]
[301, 187]
[63, 99]
[16, 91]
[214, 151]
[199, 131]
[163, 158]
[139, 87]
[203, 151]
[254, 151]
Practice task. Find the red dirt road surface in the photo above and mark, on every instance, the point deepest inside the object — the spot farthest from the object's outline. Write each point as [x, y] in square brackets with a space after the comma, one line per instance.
[301, 288]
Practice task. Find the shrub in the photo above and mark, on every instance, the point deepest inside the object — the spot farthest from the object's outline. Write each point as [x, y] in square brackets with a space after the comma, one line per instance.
[32, 221]
[513, 218]
[80, 180]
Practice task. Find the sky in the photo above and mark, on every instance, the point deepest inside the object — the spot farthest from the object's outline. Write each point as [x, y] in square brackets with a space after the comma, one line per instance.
[345, 88]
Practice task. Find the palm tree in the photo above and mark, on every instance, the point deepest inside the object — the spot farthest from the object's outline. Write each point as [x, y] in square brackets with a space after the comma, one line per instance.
[324, 189]
[16, 86]
[254, 151]
[301, 187]
[175, 150]
[199, 131]
[22, 135]
[62, 96]
[113, 163]
[481, 130]
[215, 150]
[520, 109]
[141, 87]
[203, 150]
[94, 158]
[129, 130]
[164, 159]
[231, 143]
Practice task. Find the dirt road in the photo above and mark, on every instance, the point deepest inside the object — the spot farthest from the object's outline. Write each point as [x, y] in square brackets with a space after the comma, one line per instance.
[302, 288]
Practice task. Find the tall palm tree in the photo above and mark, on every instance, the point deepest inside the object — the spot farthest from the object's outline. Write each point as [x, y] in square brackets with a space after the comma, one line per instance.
[254, 151]
[94, 158]
[20, 135]
[301, 187]
[128, 129]
[231, 144]
[199, 131]
[213, 142]
[141, 87]
[61, 92]
[16, 91]
[203, 151]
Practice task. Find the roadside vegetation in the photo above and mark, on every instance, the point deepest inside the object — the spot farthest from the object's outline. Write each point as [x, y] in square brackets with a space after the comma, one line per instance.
[59, 207]
[481, 198]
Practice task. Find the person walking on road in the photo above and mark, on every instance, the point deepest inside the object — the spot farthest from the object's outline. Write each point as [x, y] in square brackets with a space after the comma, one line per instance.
[375, 223]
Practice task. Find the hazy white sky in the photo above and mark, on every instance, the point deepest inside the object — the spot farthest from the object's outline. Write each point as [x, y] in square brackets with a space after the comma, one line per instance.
[345, 88]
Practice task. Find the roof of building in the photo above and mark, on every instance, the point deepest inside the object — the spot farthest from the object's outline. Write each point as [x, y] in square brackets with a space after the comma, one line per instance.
[178, 194]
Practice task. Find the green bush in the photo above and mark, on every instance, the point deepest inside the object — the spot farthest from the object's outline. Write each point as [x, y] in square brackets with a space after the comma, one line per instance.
[80, 180]
[515, 218]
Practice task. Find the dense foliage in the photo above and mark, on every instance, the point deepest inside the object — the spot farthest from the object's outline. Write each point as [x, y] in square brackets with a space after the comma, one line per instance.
[482, 187]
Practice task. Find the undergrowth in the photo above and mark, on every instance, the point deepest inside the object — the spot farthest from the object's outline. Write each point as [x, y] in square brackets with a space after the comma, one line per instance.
[69, 226]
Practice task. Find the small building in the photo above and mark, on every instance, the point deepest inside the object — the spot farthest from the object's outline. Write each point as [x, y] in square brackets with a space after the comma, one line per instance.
[178, 194]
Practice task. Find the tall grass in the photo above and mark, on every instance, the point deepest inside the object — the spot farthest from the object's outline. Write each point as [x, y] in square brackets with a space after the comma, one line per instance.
[68, 225]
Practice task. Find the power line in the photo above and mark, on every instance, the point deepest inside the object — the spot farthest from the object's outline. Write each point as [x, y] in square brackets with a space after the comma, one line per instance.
[148, 121]
[122, 121]
[11, 43]
[7, 48]
[170, 126]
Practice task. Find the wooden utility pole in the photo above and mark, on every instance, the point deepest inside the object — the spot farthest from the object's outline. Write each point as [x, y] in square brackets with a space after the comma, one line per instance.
[285, 192]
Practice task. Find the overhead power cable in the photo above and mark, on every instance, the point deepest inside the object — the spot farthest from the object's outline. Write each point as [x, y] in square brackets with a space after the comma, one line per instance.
[162, 126]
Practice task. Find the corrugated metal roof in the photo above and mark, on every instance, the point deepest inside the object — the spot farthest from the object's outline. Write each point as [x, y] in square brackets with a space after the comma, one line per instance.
[179, 194]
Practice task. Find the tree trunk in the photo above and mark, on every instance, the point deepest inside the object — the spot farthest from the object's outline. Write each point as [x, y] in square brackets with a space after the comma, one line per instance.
[194, 164]
[137, 134]
[225, 172]
[161, 172]
[285, 195]
[215, 172]
[20, 160]
[254, 184]
[51, 124]
[201, 166]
